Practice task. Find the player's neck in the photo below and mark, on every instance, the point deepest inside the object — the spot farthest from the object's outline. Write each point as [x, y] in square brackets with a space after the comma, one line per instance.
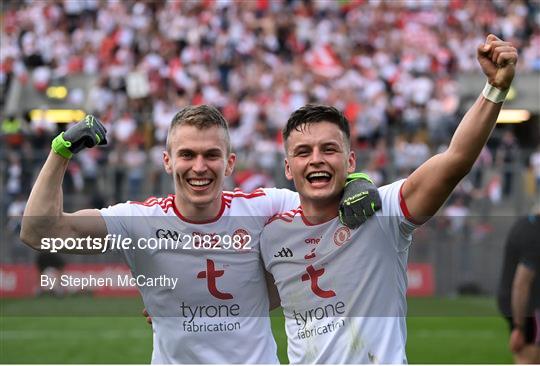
[198, 213]
[319, 212]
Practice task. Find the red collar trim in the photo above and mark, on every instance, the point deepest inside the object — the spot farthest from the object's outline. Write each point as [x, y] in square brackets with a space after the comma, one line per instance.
[183, 218]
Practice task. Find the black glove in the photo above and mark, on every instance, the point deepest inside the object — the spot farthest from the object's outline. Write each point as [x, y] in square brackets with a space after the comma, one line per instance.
[87, 133]
[360, 200]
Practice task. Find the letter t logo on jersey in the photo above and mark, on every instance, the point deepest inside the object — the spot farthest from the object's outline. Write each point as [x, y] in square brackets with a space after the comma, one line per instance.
[211, 274]
[314, 275]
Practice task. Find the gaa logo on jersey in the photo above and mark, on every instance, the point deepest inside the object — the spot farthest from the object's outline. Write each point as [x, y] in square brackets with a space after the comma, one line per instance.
[342, 235]
[167, 234]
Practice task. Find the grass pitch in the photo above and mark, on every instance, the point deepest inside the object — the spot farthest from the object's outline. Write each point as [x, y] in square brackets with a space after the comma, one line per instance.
[462, 330]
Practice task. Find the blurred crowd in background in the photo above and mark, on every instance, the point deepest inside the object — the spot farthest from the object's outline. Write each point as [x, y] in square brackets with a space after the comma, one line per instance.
[391, 66]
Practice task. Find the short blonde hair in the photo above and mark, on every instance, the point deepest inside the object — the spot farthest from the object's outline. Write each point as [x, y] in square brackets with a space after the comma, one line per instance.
[202, 117]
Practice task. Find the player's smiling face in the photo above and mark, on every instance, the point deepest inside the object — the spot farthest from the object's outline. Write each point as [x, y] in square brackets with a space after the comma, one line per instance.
[198, 160]
[318, 161]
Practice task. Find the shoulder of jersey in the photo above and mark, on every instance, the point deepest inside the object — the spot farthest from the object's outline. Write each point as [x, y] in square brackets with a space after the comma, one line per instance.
[165, 203]
[285, 217]
[237, 195]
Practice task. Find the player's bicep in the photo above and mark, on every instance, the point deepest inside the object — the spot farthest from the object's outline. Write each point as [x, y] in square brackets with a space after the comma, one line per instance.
[85, 223]
[428, 187]
[80, 231]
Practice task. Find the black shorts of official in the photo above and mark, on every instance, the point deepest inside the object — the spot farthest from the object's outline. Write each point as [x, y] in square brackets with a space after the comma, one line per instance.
[532, 328]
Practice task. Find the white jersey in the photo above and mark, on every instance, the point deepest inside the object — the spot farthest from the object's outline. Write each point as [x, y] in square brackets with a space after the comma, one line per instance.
[218, 311]
[342, 291]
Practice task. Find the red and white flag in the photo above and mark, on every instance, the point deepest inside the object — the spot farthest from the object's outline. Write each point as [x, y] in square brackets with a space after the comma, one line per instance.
[323, 61]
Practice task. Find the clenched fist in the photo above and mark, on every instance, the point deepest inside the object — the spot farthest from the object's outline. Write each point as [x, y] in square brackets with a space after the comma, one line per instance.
[498, 60]
[85, 134]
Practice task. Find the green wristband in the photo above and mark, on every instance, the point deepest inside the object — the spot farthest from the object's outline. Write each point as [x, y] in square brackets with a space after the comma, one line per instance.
[355, 176]
[61, 146]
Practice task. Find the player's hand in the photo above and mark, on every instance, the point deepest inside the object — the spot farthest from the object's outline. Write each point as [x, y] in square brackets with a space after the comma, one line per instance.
[517, 340]
[360, 200]
[87, 133]
[147, 316]
[498, 60]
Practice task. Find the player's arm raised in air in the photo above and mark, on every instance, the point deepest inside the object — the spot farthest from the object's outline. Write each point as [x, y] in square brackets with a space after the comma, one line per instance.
[43, 216]
[428, 187]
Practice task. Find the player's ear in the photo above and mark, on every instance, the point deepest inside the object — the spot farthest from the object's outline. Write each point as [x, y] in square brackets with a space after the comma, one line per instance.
[229, 167]
[351, 159]
[167, 163]
[288, 173]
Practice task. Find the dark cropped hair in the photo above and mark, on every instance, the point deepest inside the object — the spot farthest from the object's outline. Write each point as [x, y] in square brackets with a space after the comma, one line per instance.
[202, 117]
[315, 113]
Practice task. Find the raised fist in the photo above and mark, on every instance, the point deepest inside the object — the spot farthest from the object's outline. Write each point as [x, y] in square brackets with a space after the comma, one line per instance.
[87, 133]
[498, 60]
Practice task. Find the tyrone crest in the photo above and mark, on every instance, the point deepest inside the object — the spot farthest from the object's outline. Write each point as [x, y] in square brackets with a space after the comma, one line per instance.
[244, 238]
[342, 235]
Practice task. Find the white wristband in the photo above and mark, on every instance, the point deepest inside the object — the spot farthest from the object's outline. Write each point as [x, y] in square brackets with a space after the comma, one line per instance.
[493, 94]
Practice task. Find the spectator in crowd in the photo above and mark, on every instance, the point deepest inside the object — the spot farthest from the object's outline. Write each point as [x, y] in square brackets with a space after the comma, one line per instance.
[14, 176]
[134, 160]
[506, 156]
